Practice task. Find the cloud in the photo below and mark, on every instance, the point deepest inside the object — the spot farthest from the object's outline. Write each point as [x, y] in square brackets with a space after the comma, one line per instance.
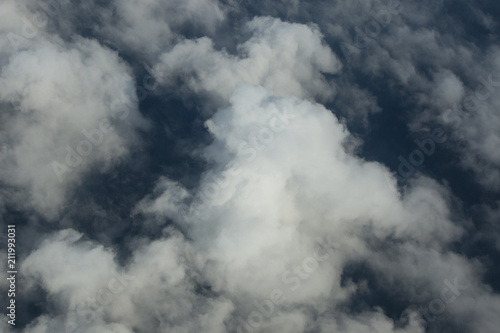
[156, 290]
[262, 210]
[151, 26]
[67, 109]
[419, 50]
[289, 59]
[273, 225]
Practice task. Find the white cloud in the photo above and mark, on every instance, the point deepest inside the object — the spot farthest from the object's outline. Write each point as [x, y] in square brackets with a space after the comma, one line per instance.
[287, 58]
[70, 104]
[261, 211]
[148, 27]
[261, 232]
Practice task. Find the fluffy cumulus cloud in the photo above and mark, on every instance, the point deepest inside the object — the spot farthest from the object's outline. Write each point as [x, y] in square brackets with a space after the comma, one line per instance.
[287, 215]
[150, 26]
[287, 58]
[269, 225]
[152, 293]
[66, 108]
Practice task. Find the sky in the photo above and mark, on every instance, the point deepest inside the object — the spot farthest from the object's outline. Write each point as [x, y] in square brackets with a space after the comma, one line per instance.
[235, 166]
